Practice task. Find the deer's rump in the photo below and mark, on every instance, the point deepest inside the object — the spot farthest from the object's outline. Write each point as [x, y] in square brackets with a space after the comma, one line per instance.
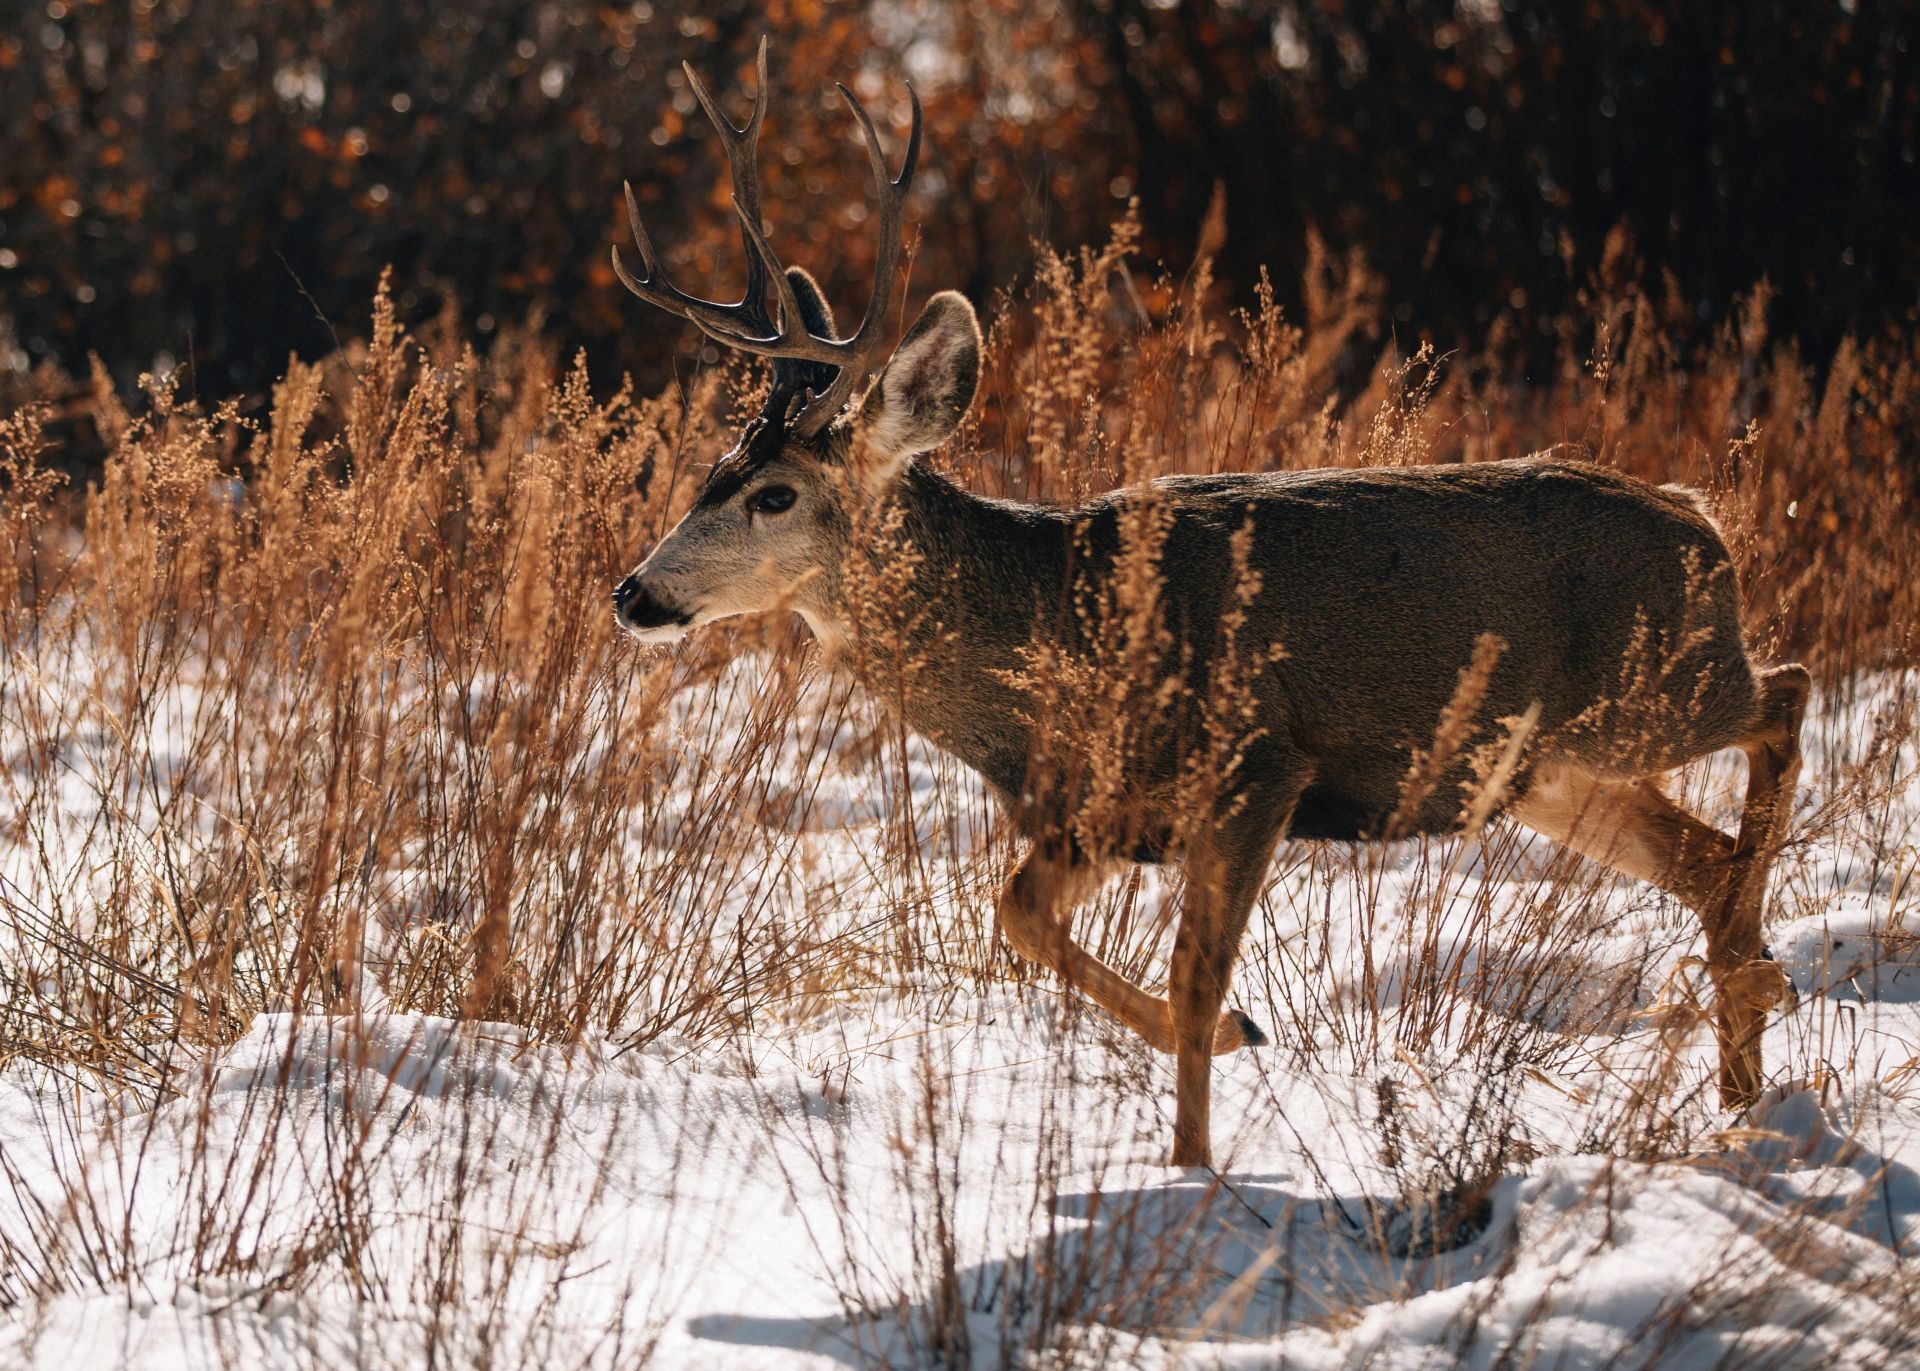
[1613, 601]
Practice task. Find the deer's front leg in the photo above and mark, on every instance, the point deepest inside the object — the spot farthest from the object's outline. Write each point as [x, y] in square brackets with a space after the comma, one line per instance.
[1224, 877]
[1033, 913]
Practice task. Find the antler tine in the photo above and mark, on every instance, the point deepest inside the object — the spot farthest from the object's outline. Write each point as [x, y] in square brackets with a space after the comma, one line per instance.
[745, 138]
[715, 319]
[848, 354]
[745, 325]
[747, 316]
[742, 148]
[892, 195]
[793, 338]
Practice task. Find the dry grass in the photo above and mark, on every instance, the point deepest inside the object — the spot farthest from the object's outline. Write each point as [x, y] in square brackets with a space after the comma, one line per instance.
[323, 714]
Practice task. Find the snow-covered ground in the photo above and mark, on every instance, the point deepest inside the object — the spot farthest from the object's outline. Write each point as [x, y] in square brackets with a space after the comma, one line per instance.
[1479, 1047]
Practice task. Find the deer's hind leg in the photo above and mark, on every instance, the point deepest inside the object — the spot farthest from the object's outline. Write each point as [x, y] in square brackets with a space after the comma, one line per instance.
[1034, 912]
[1746, 982]
[1631, 826]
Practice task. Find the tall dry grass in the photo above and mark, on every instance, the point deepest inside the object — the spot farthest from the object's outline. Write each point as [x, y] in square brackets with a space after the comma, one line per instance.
[323, 713]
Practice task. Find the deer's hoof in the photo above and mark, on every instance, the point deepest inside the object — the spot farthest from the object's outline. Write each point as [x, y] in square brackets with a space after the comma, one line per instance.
[1763, 984]
[1789, 993]
[1250, 1034]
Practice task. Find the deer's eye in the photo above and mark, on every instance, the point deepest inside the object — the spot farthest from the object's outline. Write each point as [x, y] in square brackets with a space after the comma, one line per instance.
[770, 500]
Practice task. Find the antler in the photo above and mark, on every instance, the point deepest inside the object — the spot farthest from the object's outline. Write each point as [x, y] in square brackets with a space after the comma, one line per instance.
[741, 146]
[745, 324]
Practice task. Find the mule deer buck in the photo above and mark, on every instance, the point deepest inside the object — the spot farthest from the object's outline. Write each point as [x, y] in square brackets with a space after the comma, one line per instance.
[1615, 602]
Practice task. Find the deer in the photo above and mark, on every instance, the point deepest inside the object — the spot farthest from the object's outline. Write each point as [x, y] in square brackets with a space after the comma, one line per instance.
[1376, 584]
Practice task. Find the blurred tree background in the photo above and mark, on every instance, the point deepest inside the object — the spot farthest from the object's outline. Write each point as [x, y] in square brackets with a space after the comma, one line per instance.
[210, 182]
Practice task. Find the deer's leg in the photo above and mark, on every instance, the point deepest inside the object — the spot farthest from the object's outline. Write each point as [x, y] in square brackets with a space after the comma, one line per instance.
[1033, 911]
[1747, 983]
[1223, 878]
[1632, 827]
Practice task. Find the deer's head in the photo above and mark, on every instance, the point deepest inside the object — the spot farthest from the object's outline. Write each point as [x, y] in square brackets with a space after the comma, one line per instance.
[775, 515]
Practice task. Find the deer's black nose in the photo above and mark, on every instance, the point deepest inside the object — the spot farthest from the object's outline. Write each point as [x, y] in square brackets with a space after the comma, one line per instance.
[637, 607]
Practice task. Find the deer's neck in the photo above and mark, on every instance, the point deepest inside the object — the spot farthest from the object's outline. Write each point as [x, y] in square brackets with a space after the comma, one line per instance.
[940, 644]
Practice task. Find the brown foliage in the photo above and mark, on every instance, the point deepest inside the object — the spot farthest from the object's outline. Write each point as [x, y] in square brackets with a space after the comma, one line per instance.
[214, 184]
[414, 744]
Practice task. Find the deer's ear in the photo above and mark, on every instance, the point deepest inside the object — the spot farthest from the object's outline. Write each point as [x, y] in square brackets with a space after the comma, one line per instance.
[816, 317]
[923, 392]
[815, 313]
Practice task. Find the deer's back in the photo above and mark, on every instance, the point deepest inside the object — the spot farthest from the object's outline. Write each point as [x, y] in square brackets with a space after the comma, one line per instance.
[1615, 601]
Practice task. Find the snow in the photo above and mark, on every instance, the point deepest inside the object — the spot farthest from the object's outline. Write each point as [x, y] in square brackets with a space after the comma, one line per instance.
[934, 1174]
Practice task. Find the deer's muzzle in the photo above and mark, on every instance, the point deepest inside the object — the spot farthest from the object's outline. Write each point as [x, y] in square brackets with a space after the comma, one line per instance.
[638, 610]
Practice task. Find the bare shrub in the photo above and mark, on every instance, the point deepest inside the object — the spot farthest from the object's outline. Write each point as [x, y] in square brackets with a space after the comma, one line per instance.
[314, 719]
